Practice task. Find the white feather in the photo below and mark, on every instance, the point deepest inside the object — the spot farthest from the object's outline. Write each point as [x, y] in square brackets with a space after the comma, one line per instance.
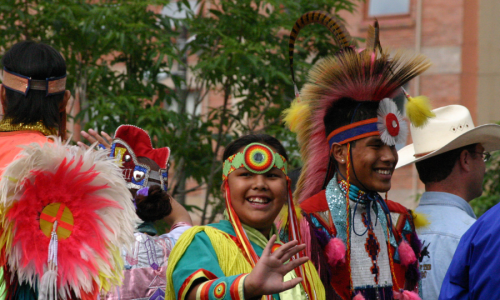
[387, 106]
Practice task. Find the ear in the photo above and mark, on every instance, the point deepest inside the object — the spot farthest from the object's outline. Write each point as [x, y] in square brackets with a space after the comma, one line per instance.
[339, 153]
[67, 96]
[465, 160]
[3, 98]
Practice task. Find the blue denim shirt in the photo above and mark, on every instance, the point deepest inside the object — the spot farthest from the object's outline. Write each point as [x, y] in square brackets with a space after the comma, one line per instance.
[450, 217]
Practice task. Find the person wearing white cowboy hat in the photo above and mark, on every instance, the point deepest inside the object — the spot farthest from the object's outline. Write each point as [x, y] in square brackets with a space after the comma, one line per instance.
[449, 153]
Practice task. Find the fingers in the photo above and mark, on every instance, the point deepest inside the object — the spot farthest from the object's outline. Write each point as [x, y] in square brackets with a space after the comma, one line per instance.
[108, 138]
[93, 137]
[88, 137]
[285, 248]
[291, 283]
[295, 263]
[269, 245]
[86, 147]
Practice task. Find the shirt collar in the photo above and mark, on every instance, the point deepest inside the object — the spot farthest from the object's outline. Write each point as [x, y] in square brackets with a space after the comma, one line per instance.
[447, 199]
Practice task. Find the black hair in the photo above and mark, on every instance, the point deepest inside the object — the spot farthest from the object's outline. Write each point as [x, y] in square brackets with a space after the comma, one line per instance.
[346, 111]
[38, 61]
[439, 167]
[155, 206]
[263, 138]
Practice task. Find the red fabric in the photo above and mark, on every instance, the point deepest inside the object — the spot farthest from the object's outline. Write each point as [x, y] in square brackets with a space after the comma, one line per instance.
[396, 207]
[10, 143]
[140, 142]
[316, 203]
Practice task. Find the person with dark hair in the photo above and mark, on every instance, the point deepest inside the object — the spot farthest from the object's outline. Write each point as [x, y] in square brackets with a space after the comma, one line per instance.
[244, 256]
[33, 97]
[347, 126]
[450, 154]
[146, 172]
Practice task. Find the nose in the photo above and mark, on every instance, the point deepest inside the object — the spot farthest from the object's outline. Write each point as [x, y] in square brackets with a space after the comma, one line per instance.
[389, 154]
[260, 182]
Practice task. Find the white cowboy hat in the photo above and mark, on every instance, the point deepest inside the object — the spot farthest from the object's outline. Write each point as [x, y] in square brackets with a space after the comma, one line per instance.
[451, 128]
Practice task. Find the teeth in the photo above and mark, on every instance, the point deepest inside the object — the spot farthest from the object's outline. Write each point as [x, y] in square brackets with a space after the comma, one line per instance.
[385, 172]
[257, 200]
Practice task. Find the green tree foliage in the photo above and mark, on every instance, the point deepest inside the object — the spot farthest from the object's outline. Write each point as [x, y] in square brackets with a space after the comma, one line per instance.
[238, 49]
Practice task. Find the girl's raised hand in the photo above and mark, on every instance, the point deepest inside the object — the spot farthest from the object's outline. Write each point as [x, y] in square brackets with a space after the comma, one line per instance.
[92, 136]
[267, 276]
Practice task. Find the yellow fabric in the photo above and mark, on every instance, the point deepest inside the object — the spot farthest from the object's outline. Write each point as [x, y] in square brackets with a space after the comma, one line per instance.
[232, 262]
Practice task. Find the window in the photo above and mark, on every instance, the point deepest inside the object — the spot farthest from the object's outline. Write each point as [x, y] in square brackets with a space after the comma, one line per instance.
[377, 8]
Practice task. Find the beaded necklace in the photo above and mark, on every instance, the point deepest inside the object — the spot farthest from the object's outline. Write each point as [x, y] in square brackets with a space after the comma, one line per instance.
[7, 126]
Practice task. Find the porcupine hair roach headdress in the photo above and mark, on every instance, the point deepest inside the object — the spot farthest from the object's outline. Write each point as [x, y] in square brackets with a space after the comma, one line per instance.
[370, 75]
[66, 215]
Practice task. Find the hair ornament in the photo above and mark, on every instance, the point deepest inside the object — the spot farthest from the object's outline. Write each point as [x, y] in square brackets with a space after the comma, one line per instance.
[256, 158]
[22, 84]
[418, 109]
[391, 125]
[132, 142]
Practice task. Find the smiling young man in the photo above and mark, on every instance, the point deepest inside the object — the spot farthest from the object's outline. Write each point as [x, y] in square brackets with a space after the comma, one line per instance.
[347, 127]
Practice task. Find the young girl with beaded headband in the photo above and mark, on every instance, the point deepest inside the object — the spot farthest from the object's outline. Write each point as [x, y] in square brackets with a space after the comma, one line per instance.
[243, 257]
[347, 126]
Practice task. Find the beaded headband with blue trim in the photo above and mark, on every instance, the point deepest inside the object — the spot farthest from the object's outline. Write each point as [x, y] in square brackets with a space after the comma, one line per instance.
[22, 84]
[389, 124]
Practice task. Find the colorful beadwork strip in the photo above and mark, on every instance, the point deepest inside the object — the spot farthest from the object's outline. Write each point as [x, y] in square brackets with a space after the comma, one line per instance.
[256, 158]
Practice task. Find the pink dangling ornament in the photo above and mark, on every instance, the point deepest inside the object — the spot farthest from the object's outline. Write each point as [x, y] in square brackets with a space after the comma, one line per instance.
[359, 296]
[406, 295]
[335, 252]
[406, 254]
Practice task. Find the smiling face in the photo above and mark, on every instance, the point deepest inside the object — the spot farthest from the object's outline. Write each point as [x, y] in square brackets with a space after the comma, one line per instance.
[258, 198]
[372, 164]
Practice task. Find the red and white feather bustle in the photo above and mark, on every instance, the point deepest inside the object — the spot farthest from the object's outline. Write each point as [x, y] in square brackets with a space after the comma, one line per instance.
[66, 215]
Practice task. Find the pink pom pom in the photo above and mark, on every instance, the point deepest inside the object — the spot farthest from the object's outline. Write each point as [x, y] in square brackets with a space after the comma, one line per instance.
[359, 296]
[406, 295]
[335, 251]
[406, 254]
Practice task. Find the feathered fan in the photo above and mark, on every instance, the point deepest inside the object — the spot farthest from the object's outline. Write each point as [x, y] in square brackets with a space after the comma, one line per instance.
[66, 214]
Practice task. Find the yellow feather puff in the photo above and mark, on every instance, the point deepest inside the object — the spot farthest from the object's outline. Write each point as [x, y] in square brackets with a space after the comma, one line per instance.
[420, 220]
[418, 110]
[296, 114]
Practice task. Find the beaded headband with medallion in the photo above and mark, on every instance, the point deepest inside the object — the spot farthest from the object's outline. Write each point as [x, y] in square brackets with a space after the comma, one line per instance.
[22, 84]
[256, 158]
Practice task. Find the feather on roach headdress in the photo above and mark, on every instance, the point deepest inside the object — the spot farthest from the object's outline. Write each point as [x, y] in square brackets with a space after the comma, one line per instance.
[367, 75]
[66, 214]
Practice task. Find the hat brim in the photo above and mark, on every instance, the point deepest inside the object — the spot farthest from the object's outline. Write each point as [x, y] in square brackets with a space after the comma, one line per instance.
[487, 135]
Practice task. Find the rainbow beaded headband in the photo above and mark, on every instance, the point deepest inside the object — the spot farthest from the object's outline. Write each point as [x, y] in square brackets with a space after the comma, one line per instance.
[256, 158]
